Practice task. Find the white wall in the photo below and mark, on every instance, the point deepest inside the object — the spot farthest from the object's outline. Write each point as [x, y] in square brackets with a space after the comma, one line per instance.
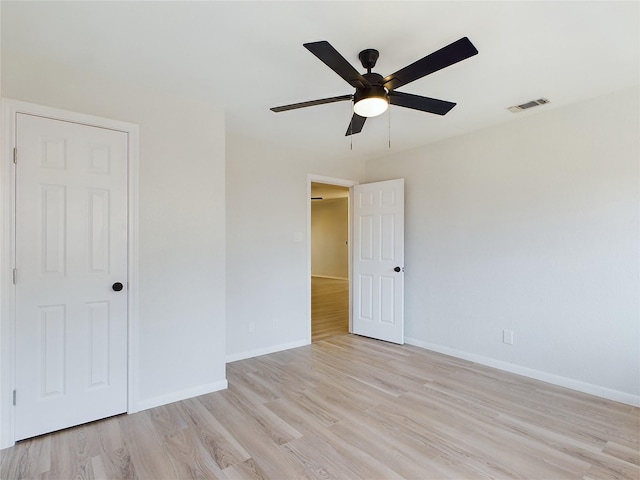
[181, 219]
[530, 226]
[267, 271]
[329, 236]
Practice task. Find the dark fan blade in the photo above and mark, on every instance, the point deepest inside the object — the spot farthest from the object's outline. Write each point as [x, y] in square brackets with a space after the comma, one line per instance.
[336, 62]
[452, 53]
[356, 124]
[425, 104]
[311, 103]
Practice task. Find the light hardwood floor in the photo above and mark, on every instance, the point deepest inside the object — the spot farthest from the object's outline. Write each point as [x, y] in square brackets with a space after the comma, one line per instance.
[351, 407]
[329, 308]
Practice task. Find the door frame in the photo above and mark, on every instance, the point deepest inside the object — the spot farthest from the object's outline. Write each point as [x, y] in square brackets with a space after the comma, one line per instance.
[311, 178]
[10, 110]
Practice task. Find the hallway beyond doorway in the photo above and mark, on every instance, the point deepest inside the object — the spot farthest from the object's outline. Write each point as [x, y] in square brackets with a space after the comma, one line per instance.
[329, 307]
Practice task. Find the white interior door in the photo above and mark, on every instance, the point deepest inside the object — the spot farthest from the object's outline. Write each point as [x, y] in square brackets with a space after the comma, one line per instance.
[71, 251]
[378, 260]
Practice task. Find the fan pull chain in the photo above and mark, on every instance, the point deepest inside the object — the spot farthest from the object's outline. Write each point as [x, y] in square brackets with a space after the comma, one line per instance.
[351, 123]
[351, 128]
[389, 117]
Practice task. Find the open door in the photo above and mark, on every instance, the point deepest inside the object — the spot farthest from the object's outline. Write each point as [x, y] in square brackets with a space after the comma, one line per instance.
[378, 260]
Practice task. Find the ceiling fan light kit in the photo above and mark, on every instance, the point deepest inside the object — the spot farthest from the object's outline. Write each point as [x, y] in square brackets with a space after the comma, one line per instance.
[374, 92]
[370, 102]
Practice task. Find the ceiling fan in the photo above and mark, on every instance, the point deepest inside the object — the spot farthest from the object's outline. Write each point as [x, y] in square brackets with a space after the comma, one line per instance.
[374, 92]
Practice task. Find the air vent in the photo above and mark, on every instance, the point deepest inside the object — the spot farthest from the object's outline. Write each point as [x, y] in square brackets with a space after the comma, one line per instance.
[525, 106]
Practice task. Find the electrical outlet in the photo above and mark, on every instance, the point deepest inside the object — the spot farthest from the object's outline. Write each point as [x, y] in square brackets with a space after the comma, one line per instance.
[276, 323]
[507, 337]
[252, 327]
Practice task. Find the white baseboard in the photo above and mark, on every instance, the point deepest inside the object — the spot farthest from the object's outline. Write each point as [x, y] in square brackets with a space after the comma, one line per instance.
[181, 395]
[234, 357]
[329, 276]
[603, 392]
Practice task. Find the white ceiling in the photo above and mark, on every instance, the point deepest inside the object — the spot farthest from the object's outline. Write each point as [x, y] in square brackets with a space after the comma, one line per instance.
[250, 56]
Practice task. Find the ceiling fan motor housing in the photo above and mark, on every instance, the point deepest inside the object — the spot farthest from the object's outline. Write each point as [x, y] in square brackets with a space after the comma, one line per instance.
[368, 92]
[375, 90]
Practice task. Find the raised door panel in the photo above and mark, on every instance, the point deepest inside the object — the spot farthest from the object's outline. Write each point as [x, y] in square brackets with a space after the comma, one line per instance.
[53, 230]
[51, 350]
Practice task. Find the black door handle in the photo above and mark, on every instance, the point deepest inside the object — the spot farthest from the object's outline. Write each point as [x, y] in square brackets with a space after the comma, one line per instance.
[117, 287]
[397, 269]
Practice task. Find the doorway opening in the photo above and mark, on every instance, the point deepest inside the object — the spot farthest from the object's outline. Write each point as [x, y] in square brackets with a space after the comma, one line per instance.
[329, 255]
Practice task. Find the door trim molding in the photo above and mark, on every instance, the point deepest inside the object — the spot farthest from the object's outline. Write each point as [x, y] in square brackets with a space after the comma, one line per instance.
[10, 109]
[330, 181]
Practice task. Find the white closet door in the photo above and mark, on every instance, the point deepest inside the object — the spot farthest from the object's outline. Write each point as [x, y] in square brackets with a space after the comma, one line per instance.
[71, 254]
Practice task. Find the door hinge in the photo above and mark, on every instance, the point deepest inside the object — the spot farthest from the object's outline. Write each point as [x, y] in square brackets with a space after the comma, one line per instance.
[15, 275]
[15, 154]
[14, 398]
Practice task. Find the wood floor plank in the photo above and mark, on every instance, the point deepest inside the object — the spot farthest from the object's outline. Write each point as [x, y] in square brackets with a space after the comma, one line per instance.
[166, 420]
[262, 419]
[189, 449]
[31, 458]
[295, 375]
[631, 455]
[316, 461]
[71, 452]
[113, 465]
[247, 470]
[440, 454]
[404, 462]
[329, 457]
[109, 435]
[297, 416]
[329, 307]
[219, 443]
[410, 455]
[263, 445]
[308, 402]
[147, 449]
